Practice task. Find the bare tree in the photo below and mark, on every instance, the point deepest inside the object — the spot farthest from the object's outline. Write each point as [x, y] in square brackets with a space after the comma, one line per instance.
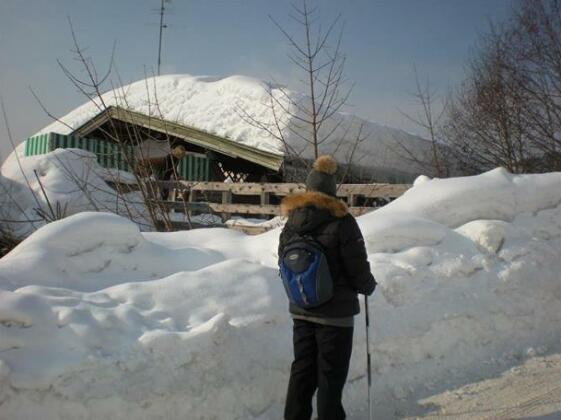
[308, 124]
[485, 124]
[439, 157]
[508, 111]
[91, 87]
[143, 206]
[128, 135]
[534, 45]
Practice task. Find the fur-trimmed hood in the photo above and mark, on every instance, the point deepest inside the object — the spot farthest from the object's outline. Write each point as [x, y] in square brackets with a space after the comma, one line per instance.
[319, 200]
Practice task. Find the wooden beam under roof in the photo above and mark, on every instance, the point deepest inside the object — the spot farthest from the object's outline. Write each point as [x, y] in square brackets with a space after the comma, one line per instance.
[190, 134]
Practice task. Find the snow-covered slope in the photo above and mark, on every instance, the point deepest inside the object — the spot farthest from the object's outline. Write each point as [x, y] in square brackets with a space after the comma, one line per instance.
[99, 320]
[222, 106]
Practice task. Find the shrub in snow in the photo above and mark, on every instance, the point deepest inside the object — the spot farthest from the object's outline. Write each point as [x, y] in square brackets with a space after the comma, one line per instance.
[69, 180]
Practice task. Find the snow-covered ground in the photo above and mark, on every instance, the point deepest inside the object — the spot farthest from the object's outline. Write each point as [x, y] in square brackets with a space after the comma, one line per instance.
[224, 106]
[277, 221]
[99, 320]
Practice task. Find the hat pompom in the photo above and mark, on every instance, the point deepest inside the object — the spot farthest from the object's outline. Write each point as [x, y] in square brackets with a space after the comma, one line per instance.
[325, 164]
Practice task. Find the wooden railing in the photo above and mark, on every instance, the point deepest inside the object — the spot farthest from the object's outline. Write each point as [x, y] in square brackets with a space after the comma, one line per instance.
[196, 196]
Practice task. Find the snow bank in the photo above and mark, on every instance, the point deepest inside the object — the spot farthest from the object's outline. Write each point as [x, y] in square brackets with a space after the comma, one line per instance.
[70, 178]
[100, 320]
[496, 194]
[224, 106]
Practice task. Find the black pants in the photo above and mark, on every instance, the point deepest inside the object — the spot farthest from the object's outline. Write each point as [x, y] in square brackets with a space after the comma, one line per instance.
[321, 361]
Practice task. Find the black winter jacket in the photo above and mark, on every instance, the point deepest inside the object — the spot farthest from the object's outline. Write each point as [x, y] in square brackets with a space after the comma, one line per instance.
[327, 219]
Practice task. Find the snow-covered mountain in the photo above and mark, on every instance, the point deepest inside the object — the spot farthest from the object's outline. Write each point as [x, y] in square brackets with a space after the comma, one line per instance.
[224, 106]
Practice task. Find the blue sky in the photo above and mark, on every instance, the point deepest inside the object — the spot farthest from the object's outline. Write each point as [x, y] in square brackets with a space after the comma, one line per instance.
[383, 40]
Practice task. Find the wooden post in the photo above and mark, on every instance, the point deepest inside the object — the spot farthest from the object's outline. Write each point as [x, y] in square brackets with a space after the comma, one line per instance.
[192, 198]
[172, 196]
[152, 190]
[226, 199]
[265, 198]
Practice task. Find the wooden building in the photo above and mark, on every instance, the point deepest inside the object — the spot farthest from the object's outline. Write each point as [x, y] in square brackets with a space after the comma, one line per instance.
[119, 137]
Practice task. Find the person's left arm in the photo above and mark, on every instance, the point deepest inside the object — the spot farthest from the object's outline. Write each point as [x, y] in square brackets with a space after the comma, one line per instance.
[354, 256]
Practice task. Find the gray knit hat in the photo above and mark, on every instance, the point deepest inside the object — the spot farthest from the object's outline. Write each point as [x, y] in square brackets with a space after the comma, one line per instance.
[322, 177]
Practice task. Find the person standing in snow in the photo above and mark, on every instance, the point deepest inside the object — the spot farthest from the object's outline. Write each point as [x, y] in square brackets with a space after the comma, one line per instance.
[168, 167]
[165, 167]
[323, 335]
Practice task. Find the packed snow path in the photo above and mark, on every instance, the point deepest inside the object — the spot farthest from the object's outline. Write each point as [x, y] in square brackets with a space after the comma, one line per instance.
[530, 391]
[99, 320]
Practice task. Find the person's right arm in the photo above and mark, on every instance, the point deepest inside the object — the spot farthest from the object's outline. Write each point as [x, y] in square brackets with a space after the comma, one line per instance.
[282, 241]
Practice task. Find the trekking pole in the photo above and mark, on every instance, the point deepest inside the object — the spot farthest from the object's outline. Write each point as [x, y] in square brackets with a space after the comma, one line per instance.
[368, 362]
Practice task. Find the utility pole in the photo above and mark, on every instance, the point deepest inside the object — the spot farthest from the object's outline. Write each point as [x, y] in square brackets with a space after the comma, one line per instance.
[162, 27]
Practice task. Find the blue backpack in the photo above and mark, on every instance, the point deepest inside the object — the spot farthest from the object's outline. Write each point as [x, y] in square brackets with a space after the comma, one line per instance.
[305, 273]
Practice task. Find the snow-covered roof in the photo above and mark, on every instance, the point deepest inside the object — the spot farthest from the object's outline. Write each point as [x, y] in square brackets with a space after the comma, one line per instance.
[221, 106]
[207, 103]
[179, 130]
